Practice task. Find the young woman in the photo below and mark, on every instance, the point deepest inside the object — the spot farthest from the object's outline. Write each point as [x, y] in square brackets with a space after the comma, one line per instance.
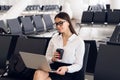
[73, 47]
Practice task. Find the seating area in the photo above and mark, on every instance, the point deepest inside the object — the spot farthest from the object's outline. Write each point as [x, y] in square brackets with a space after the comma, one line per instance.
[96, 60]
[107, 64]
[34, 7]
[27, 25]
[5, 7]
[23, 43]
[102, 17]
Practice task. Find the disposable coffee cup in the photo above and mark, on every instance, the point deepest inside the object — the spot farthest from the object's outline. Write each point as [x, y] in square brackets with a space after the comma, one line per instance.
[60, 51]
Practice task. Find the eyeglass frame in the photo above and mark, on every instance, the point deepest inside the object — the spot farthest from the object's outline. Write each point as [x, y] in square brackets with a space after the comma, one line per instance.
[60, 23]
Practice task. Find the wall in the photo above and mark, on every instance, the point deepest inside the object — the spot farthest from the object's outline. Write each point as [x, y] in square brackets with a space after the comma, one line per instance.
[76, 7]
[41, 2]
[115, 4]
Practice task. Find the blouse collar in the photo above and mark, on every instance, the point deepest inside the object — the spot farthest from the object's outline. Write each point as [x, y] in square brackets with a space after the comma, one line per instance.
[70, 38]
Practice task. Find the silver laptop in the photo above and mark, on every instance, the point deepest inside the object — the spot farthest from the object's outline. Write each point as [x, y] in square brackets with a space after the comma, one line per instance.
[35, 61]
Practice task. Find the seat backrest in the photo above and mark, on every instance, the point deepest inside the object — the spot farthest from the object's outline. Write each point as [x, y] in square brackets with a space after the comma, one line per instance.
[107, 64]
[14, 26]
[4, 49]
[80, 75]
[3, 28]
[38, 23]
[27, 25]
[48, 21]
[92, 56]
[116, 35]
[87, 17]
[99, 17]
[17, 68]
[113, 17]
[31, 44]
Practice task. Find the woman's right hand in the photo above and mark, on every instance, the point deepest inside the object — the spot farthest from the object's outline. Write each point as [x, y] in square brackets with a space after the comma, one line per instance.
[56, 56]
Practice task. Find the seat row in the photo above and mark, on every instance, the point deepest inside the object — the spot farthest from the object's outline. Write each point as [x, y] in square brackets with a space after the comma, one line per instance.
[34, 7]
[5, 7]
[43, 7]
[115, 37]
[51, 7]
[106, 67]
[103, 17]
[12, 45]
[28, 25]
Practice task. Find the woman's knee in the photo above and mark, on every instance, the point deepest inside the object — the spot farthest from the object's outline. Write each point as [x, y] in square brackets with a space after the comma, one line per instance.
[41, 73]
[48, 78]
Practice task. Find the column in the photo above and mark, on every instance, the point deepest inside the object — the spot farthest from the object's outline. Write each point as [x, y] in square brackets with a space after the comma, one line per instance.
[115, 4]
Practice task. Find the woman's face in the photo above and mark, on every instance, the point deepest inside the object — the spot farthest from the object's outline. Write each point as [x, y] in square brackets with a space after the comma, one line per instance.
[61, 25]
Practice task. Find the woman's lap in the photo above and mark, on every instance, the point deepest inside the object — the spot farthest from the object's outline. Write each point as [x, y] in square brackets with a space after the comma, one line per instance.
[67, 76]
[54, 76]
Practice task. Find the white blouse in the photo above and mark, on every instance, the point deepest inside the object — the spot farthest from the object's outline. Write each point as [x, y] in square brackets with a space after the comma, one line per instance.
[73, 51]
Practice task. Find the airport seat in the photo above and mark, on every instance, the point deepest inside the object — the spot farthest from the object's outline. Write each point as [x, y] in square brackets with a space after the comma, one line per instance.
[19, 19]
[5, 42]
[113, 17]
[14, 26]
[115, 38]
[87, 17]
[113, 43]
[31, 44]
[116, 10]
[3, 28]
[92, 56]
[48, 22]
[27, 26]
[80, 75]
[2, 7]
[38, 23]
[107, 64]
[7, 7]
[99, 17]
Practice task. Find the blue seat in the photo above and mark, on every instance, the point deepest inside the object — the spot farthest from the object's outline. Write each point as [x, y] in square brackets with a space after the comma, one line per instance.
[38, 23]
[115, 38]
[107, 64]
[3, 28]
[27, 26]
[80, 75]
[99, 17]
[92, 57]
[14, 26]
[5, 42]
[48, 22]
[87, 17]
[113, 17]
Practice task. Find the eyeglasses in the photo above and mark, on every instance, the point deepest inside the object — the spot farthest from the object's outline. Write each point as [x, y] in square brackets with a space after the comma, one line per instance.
[60, 23]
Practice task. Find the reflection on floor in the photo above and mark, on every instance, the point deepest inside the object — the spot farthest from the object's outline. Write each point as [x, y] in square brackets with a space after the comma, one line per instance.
[89, 76]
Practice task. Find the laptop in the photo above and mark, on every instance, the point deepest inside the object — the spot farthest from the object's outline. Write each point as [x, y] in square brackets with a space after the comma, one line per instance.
[35, 61]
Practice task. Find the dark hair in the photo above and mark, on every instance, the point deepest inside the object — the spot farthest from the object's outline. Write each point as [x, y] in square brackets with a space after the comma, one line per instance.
[66, 17]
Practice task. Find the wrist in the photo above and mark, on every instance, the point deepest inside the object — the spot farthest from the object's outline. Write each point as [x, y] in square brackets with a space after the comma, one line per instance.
[53, 59]
[66, 69]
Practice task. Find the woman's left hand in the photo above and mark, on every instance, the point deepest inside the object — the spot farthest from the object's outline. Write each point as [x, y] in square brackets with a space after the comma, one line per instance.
[62, 70]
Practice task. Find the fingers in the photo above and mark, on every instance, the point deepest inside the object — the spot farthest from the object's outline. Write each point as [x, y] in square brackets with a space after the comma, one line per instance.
[60, 71]
[56, 56]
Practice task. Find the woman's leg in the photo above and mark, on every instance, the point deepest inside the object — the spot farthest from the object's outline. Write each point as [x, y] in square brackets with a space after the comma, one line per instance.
[41, 75]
